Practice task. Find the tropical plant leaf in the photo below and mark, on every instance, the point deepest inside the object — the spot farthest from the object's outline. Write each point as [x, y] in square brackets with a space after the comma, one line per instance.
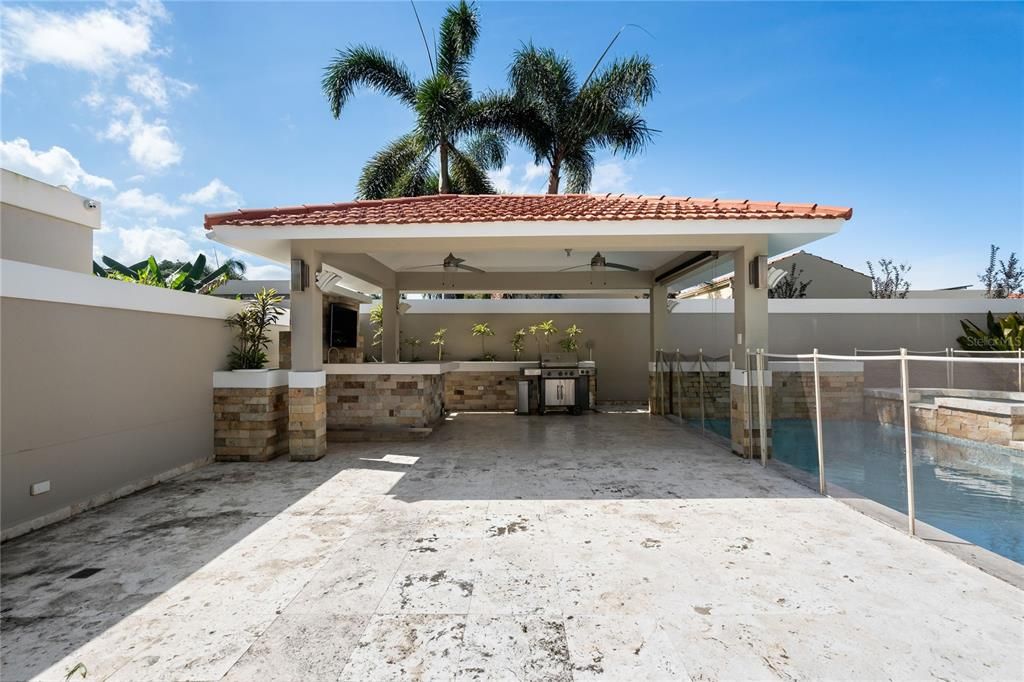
[381, 174]
[368, 66]
[118, 267]
[460, 29]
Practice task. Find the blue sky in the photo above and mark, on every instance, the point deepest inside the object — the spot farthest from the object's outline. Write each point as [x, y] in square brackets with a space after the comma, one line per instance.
[911, 113]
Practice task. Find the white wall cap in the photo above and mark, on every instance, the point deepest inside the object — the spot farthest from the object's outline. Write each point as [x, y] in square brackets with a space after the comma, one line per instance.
[268, 379]
[307, 379]
[40, 197]
[40, 283]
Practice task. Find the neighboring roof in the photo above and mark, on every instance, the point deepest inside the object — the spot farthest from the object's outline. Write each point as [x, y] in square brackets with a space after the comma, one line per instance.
[492, 208]
[725, 279]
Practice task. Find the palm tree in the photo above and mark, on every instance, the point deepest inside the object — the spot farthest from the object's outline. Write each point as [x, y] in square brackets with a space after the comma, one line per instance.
[563, 123]
[449, 122]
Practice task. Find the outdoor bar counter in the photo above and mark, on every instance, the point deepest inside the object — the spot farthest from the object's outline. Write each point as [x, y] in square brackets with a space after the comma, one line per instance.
[365, 398]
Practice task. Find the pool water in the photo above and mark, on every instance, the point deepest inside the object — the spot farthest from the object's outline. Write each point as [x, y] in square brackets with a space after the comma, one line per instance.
[972, 490]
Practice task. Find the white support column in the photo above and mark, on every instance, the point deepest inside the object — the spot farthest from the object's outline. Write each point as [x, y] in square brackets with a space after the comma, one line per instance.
[389, 336]
[750, 305]
[658, 318]
[307, 316]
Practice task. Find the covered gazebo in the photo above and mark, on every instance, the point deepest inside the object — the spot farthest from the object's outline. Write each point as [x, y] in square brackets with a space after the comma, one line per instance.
[513, 243]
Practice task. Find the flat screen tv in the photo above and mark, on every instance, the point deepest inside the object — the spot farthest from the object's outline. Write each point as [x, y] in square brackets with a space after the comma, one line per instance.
[342, 326]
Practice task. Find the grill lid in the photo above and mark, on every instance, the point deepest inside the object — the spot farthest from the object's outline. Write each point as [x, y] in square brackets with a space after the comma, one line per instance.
[549, 360]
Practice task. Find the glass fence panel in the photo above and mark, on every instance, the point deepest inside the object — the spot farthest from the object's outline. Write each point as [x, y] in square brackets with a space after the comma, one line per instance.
[968, 461]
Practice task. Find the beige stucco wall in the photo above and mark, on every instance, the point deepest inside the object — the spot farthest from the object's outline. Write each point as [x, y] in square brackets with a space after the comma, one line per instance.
[620, 339]
[95, 399]
[41, 239]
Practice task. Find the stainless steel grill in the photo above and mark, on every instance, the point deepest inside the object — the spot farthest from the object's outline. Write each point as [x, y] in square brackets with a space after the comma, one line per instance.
[562, 382]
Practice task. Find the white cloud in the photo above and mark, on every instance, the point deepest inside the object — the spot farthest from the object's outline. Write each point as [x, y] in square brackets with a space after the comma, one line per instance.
[95, 40]
[135, 200]
[56, 166]
[609, 176]
[149, 82]
[161, 242]
[214, 193]
[267, 272]
[533, 171]
[150, 143]
[510, 180]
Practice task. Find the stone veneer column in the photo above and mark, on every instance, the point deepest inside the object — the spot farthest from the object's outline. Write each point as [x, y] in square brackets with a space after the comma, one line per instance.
[746, 433]
[307, 415]
[250, 415]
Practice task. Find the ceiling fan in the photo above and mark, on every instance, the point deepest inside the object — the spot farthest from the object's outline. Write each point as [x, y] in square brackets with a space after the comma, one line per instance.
[450, 264]
[598, 264]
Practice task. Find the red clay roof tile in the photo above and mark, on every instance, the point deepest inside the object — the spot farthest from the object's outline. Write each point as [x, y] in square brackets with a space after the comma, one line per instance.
[491, 208]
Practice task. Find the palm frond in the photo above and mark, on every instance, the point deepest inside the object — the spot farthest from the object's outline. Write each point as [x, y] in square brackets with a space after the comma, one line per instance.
[545, 80]
[419, 179]
[627, 82]
[626, 133]
[579, 170]
[460, 29]
[441, 102]
[487, 150]
[383, 171]
[467, 176]
[370, 67]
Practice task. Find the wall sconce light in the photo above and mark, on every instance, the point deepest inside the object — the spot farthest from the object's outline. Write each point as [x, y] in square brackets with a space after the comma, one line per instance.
[758, 269]
[300, 275]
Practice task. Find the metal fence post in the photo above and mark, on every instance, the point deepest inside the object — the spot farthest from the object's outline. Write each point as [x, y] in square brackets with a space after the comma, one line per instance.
[760, 407]
[700, 370]
[749, 421]
[907, 440]
[1020, 370]
[949, 368]
[820, 437]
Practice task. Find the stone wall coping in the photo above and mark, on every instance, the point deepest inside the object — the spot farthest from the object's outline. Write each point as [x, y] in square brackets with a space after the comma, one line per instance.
[426, 368]
[268, 379]
[307, 379]
[986, 406]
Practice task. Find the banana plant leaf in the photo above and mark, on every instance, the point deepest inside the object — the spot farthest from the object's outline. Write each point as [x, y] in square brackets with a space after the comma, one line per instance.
[114, 265]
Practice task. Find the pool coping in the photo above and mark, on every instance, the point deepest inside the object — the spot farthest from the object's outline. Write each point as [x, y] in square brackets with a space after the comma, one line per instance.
[983, 559]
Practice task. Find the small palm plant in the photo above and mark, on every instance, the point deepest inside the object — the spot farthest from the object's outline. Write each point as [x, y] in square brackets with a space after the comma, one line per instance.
[414, 345]
[438, 341]
[252, 323]
[518, 342]
[547, 330]
[569, 343]
[483, 330]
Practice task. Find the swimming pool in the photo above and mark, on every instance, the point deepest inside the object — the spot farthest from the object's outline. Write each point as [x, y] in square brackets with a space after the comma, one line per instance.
[972, 490]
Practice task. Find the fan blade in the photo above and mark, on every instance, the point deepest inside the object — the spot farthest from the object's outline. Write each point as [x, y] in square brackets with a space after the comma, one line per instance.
[460, 266]
[423, 267]
[619, 266]
[575, 267]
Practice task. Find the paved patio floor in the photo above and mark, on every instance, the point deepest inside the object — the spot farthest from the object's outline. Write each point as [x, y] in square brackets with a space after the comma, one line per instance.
[607, 546]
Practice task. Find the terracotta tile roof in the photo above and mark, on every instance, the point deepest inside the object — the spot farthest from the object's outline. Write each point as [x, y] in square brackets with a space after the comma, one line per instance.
[492, 208]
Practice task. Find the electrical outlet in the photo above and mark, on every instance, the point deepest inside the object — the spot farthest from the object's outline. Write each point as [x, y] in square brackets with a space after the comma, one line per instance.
[39, 488]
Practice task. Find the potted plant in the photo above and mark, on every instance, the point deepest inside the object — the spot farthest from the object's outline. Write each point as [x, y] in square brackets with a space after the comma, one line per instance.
[438, 341]
[569, 343]
[252, 323]
[518, 342]
[483, 330]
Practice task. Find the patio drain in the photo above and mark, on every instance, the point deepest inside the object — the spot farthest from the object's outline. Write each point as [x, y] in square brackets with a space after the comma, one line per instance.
[84, 573]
